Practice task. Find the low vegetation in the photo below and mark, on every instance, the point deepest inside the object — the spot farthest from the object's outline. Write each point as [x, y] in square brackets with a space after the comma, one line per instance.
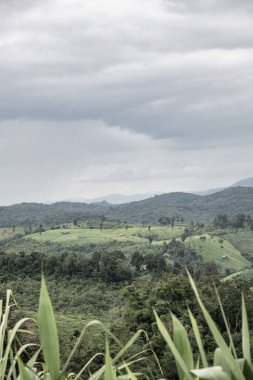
[119, 273]
[191, 363]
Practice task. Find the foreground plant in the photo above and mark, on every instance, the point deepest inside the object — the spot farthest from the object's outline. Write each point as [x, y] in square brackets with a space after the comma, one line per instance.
[113, 369]
[226, 365]
[11, 349]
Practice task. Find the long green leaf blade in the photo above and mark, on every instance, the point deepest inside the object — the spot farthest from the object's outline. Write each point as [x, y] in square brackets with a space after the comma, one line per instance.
[24, 372]
[110, 372]
[231, 361]
[173, 348]
[48, 333]
[183, 346]
[211, 373]
[245, 333]
[198, 339]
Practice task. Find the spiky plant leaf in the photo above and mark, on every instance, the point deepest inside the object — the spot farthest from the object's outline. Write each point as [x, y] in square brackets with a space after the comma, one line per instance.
[198, 339]
[183, 346]
[211, 373]
[24, 372]
[219, 360]
[179, 360]
[110, 372]
[231, 361]
[245, 334]
[48, 333]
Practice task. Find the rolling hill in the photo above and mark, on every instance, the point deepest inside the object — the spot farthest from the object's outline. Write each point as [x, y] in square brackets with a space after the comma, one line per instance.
[191, 206]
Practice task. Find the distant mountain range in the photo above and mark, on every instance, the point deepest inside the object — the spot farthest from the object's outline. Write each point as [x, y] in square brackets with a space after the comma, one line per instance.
[247, 182]
[113, 198]
[204, 209]
[122, 198]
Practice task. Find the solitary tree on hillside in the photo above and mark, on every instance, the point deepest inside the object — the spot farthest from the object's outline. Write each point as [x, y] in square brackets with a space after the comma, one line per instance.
[137, 260]
[102, 219]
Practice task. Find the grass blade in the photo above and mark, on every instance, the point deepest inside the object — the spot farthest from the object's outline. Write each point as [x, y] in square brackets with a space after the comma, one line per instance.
[172, 347]
[245, 333]
[211, 373]
[48, 333]
[198, 339]
[226, 323]
[231, 361]
[76, 377]
[80, 338]
[182, 344]
[129, 344]
[24, 372]
[110, 372]
[220, 361]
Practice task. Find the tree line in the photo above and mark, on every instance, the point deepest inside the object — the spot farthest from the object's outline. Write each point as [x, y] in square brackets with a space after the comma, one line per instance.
[238, 221]
[108, 266]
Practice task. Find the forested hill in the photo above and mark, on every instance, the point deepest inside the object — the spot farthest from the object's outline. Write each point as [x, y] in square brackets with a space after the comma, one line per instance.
[25, 214]
[204, 209]
[231, 201]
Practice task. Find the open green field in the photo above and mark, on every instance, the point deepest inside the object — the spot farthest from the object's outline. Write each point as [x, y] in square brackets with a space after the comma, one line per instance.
[213, 248]
[82, 236]
[242, 240]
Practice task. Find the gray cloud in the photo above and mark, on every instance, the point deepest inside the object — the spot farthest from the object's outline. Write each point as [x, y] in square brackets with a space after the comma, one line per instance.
[90, 88]
[47, 161]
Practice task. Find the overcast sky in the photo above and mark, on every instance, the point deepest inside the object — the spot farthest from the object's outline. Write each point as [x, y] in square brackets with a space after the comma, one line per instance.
[124, 96]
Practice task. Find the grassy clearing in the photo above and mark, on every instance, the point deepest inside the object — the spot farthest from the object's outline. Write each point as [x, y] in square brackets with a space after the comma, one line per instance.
[82, 236]
[162, 233]
[242, 240]
[214, 248]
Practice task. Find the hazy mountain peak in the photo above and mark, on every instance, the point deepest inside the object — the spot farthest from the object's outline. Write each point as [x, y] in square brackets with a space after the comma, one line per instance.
[247, 182]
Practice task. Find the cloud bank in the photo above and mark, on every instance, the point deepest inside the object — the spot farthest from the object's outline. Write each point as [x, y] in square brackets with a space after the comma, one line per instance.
[124, 96]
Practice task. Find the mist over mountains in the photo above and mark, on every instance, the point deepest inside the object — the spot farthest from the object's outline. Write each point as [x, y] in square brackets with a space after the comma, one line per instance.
[113, 198]
[123, 198]
[247, 182]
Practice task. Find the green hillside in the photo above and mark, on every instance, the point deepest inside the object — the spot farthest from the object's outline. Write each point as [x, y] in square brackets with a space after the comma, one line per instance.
[190, 206]
[82, 236]
[242, 240]
[222, 252]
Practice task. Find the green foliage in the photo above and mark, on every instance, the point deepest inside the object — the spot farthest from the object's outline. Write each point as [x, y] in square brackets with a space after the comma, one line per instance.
[50, 348]
[191, 358]
[121, 281]
[227, 257]
[226, 364]
[238, 221]
[48, 334]
[11, 349]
